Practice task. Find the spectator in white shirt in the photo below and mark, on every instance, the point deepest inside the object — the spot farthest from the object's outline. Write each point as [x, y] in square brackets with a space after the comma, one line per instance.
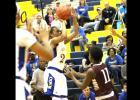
[56, 22]
[37, 82]
[39, 22]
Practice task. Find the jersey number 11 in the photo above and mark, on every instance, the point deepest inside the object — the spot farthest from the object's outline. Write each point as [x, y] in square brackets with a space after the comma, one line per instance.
[106, 75]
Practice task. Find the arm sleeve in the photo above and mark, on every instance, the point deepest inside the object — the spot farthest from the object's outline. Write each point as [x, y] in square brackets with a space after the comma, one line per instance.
[106, 61]
[34, 77]
[120, 60]
[86, 10]
[77, 10]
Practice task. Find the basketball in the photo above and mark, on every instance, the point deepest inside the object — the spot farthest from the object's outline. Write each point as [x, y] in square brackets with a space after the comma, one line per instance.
[63, 12]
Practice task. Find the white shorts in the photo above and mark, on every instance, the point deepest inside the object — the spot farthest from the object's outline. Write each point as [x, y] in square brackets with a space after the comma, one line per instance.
[105, 96]
[55, 84]
[22, 89]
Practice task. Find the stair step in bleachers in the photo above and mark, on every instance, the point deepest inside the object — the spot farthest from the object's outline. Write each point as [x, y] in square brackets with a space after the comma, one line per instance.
[72, 91]
[100, 45]
[90, 8]
[75, 61]
[92, 14]
[101, 39]
[91, 0]
[77, 54]
[96, 6]
[71, 84]
[107, 27]
[92, 3]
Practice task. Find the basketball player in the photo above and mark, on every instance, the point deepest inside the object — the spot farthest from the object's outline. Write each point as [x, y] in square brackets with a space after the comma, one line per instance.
[55, 84]
[24, 41]
[97, 75]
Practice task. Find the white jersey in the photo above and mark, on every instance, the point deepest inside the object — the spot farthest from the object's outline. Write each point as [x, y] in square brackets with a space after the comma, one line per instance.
[59, 61]
[24, 40]
[22, 89]
[55, 83]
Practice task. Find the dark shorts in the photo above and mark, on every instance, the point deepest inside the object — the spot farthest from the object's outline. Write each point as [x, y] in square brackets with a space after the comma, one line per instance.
[39, 96]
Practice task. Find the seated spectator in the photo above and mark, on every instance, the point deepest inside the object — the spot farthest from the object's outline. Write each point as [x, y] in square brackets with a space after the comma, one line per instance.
[56, 5]
[109, 43]
[87, 94]
[123, 95]
[81, 38]
[94, 26]
[121, 44]
[39, 22]
[108, 14]
[49, 16]
[124, 52]
[85, 60]
[31, 66]
[123, 40]
[82, 12]
[113, 62]
[123, 10]
[56, 22]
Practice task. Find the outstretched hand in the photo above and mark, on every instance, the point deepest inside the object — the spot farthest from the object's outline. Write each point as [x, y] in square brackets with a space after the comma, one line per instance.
[42, 33]
[68, 72]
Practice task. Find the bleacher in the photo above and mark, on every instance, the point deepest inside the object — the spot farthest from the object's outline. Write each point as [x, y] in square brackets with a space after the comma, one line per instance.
[77, 56]
[99, 36]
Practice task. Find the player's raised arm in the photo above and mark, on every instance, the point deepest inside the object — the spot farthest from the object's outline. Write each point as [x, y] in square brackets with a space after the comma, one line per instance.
[43, 49]
[61, 36]
[75, 26]
[118, 35]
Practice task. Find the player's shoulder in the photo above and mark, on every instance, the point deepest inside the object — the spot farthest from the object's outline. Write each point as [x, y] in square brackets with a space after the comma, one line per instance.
[90, 70]
[99, 66]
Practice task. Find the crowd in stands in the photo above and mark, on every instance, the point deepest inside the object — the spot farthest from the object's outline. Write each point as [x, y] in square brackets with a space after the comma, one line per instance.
[116, 59]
